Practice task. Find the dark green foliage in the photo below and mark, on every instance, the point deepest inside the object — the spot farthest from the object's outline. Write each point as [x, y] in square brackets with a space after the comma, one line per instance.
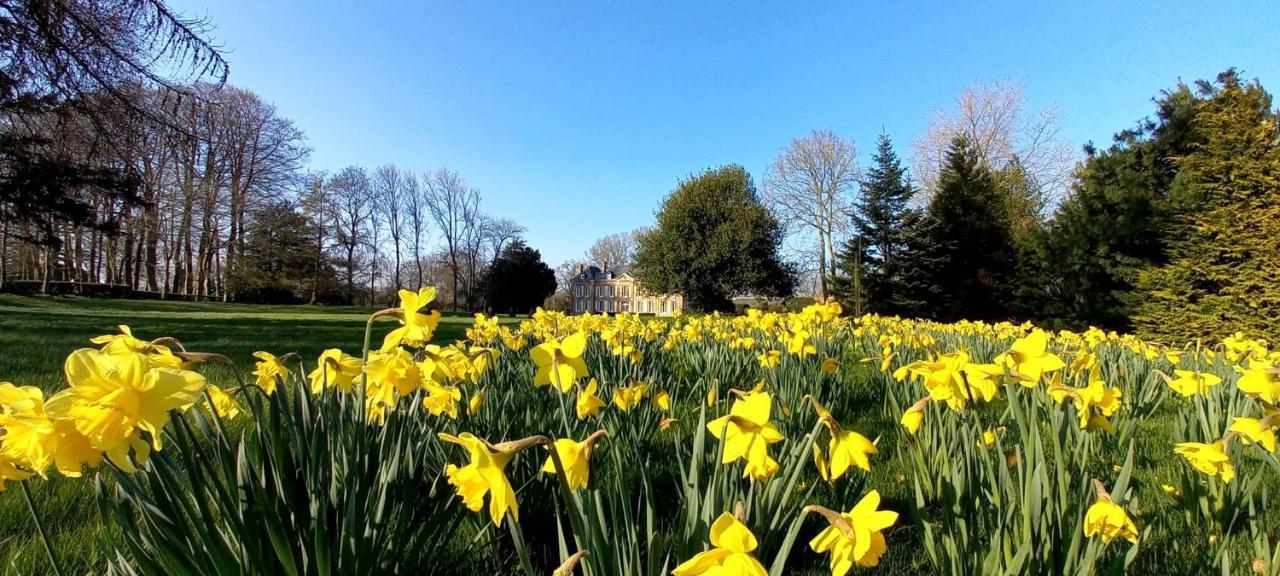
[970, 230]
[1222, 236]
[713, 240]
[918, 287]
[874, 255]
[519, 281]
[283, 263]
[1109, 227]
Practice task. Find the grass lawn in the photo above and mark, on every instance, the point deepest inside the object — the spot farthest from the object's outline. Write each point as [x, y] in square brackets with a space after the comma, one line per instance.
[37, 333]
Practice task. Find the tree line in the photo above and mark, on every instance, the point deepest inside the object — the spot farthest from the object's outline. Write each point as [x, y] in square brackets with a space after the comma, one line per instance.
[127, 162]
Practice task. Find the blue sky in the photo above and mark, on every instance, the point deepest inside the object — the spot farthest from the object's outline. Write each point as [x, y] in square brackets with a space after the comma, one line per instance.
[576, 118]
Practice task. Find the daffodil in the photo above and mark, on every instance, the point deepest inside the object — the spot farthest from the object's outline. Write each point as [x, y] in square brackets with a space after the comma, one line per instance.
[416, 328]
[662, 400]
[223, 404]
[730, 555]
[1189, 382]
[482, 476]
[587, 403]
[846, 447]
[746, 433]
[1255, 430]
[335, 369]
[267, 369]
[393, 368]
[441, 399]
[829, 366]
[35, 441]
[1210, 459]
[475, 403]
[1028, 359]
[628, 397]
[1261, 381]
[560, 363]
[854, 537]
[914, 416]
[1109, 520]
[112, 398]
[769, 359]
[575, 458]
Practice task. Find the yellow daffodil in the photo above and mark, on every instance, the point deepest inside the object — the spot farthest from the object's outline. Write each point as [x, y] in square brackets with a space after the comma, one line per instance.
[224, 405]
[855, 537]
[662, 400]
[442, 399]
[483, 476]
[1189, 382]
[267, 369]
[475, 403]
[1261, 381]
[560, 363]
[35, 441]
[914, 416]
[1028, 359]
[1107, 519]
[829, 366]
[846, 447]
[393, 368]
[730, 555]
[628, 397]
[1210, 459]
[587, 403]
[113, 397]
[416, 328]
[1255, 430]
[769, 359]
[574, 457]
[335, 369]
[746, 433]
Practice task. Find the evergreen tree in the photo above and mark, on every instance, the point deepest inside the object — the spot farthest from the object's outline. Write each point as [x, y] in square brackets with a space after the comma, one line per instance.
[282, 256]
[714, 240]
[970, 228]
[1223, 233]
[518, 281]
[1109, 227]
[870, 262]
[917, 292]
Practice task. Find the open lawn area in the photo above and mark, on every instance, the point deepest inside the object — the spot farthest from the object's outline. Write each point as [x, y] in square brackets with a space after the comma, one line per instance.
[36, 334]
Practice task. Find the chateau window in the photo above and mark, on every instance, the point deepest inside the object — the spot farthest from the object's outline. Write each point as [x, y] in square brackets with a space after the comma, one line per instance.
[626, 306]
[664, 306]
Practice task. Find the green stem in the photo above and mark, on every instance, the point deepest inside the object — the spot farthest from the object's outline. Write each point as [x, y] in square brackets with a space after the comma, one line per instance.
[44, 537]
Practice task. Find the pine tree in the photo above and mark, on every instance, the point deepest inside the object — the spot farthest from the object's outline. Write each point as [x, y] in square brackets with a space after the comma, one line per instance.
[870, 262]
[1223, 238]
[972, 235]
[917, 293]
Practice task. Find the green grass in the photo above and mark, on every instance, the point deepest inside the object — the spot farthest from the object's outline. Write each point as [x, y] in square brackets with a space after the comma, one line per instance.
[37, 333]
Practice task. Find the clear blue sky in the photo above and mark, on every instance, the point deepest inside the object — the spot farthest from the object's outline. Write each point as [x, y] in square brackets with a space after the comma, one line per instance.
[576, 118]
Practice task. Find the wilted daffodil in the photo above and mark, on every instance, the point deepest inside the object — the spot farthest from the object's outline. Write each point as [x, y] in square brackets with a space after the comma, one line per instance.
[746, 433]
[560, 363]
[588, 404]
[730, 555]
[484, 474]
[854, 537]
[575, 458]
[1109, 520]
[113, 397]
[416, 328]
[267, 369]
[1210, 459]
[1028, 359]
[335, 369]
[1189, 382]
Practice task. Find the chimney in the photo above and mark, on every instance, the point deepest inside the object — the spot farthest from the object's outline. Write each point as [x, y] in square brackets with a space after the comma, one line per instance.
[582, 268]
[604, 267]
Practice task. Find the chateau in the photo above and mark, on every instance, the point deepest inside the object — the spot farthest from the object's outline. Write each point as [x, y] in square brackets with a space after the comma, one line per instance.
[601, 289]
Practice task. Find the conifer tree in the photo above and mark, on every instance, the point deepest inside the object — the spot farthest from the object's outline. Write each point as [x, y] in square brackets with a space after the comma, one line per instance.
[1223, 236]
[870, 262]
[972, 235]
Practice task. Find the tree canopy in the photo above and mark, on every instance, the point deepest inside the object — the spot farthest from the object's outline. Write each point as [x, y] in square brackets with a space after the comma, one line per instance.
[714, 240]
[518, 281]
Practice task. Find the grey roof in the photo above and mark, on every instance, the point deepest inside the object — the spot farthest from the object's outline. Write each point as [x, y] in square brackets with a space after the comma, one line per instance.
[593, 273]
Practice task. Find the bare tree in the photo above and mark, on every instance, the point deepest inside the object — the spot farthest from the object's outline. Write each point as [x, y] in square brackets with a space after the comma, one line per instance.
[418, 212]
[615, 249]
[809, 186]
[999, 124]
[499, 232]
[566, 272]
[391, 185]
[454, 208]
[351, 210]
